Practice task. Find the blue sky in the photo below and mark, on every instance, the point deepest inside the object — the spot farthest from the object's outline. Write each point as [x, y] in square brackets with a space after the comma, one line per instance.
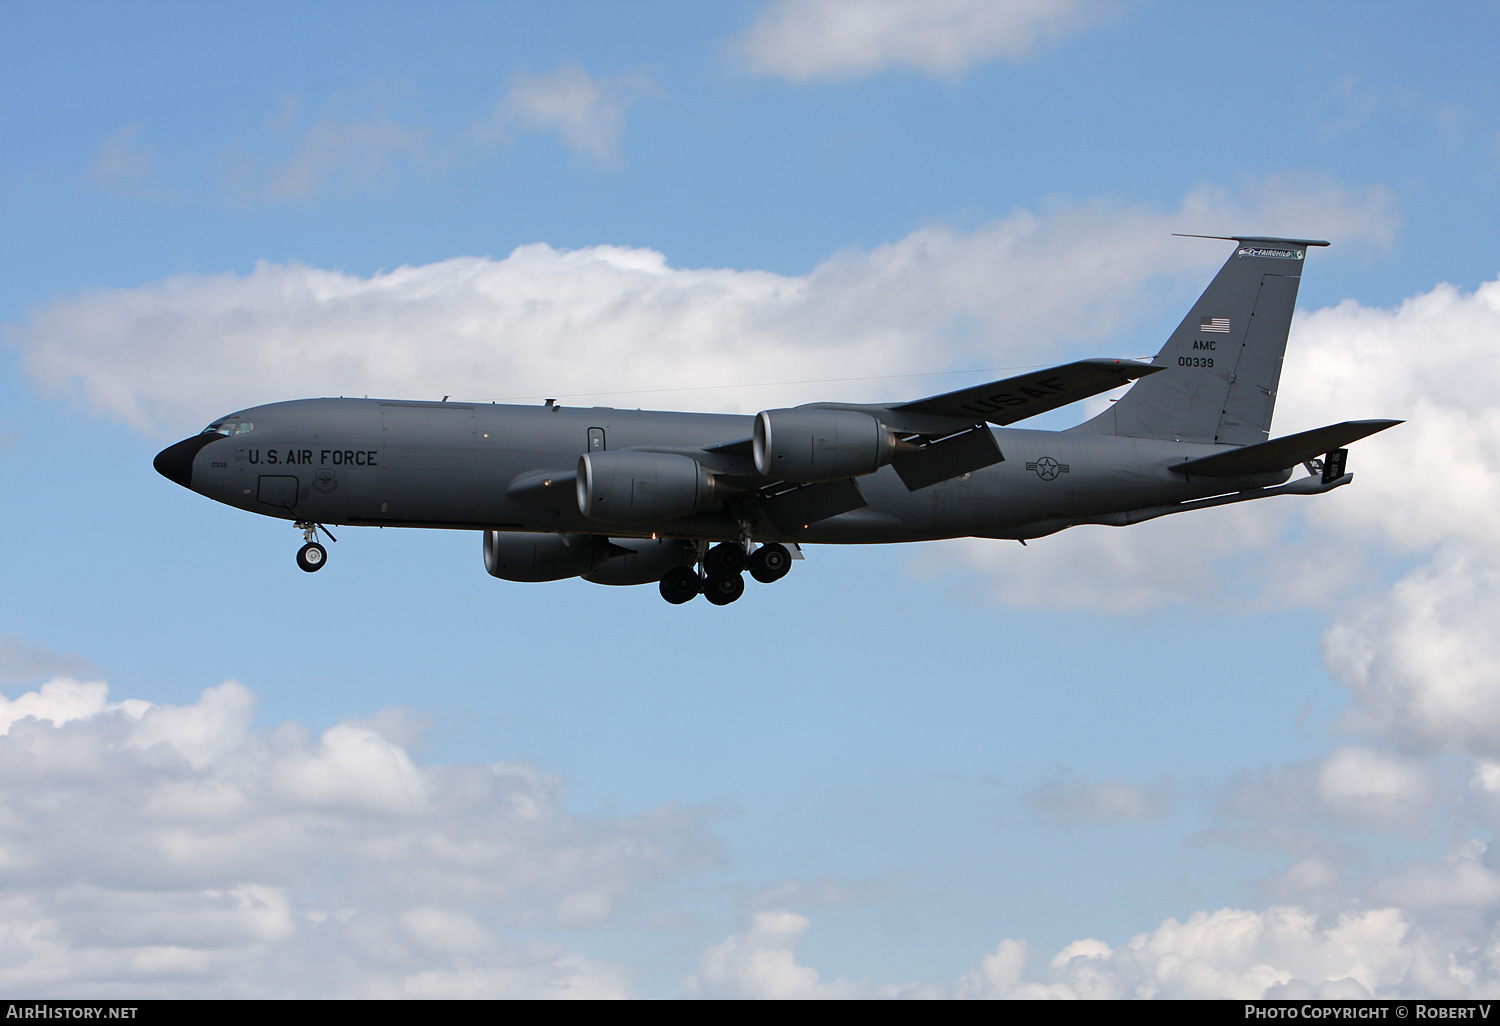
[1247, 738]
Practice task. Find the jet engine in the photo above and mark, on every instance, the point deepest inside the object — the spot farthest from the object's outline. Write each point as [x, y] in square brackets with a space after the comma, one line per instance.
[810, 445]
[639, 487]
[642, 560]
[529, 558]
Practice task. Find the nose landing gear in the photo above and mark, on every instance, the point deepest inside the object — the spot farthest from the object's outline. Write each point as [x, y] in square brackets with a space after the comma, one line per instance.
[311, 556]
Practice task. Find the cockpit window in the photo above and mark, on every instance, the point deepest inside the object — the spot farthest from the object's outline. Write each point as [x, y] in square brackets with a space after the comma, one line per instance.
[229, 427]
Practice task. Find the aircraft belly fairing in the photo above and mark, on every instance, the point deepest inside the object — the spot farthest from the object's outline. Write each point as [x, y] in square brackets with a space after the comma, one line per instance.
[695, 501]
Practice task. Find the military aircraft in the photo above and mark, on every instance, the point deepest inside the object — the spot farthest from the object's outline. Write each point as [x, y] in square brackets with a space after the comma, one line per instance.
[691, 501]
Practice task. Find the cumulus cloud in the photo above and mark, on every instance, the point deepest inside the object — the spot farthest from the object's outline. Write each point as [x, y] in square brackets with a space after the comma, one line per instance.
[843, 39]
[177, 851]
[1283, 952]
[1069, 801]
[1422, 659]
[761, 962]
[608, 319]
[587, 114]
[1419, 657]
[1230, 953]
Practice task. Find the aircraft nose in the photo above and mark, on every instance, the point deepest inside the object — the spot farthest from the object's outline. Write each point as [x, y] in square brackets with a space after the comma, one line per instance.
[175, 462]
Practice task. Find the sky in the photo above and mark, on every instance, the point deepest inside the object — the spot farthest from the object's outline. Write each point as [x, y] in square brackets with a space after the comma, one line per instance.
[1245, 752]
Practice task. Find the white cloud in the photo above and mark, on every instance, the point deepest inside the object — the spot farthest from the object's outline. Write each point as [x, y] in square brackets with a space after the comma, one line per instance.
[123, 161]
[761, 962]
[1233, 953]
[587, 114]
[1459, 880]
[176, 851]
[843, 39]
[823, 892]
[1420, 657]
[1282, 952]
[1423, 658]
[1430, 361]
[359, 142]
[1353, 786]
[1070, 801]
[168, 356]
[22, 662]
[61, 700]
[1368, 786]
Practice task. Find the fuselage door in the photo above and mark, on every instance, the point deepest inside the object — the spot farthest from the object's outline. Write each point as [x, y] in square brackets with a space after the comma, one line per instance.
[596, 439]
[277, 490]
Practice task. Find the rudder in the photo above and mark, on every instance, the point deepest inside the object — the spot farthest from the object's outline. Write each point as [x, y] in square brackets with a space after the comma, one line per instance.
[1223, 363]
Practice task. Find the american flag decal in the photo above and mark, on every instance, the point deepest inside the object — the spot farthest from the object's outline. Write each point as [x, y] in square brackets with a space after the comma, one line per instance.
[1214, 324]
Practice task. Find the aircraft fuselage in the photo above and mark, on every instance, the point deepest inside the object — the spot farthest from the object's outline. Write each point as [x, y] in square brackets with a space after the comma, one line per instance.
[370, 462]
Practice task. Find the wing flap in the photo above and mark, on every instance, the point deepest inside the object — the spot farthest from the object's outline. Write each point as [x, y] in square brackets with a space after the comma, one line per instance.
[811, 503]
[963, 453]
[1282, 453]
[1027, 395]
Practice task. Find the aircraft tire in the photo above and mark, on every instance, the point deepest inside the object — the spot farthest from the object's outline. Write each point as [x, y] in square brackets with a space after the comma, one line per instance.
[311, 557]
[724, 560]
[770, 563]
[723, 590]
[680, 584]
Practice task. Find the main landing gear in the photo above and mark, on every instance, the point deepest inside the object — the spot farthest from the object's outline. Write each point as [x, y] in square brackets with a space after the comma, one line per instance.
[722, 579]
[311, 556]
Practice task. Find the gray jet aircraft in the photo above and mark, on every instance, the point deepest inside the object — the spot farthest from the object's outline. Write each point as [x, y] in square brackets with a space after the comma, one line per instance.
[690, 501]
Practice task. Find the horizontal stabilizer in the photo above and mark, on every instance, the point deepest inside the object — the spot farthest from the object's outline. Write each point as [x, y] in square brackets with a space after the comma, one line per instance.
[941, 461]
[1027, 395]
[1282, 453]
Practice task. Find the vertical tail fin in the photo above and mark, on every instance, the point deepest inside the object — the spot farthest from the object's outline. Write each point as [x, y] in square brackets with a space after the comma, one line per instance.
[1223, 362]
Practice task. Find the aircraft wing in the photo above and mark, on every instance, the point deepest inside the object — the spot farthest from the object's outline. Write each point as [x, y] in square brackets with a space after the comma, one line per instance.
[1282, 453]
[1012, 399]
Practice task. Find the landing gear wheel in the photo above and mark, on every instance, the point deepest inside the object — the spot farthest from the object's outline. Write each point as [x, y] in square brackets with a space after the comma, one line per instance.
[723, 590]
[724, 560]
[312, 556]
[770, 562]
[680, 585]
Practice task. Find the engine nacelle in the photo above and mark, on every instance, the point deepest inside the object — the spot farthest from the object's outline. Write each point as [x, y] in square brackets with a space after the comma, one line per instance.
[640, 487]
[646, 562]
[809, 445]
[530, 558]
